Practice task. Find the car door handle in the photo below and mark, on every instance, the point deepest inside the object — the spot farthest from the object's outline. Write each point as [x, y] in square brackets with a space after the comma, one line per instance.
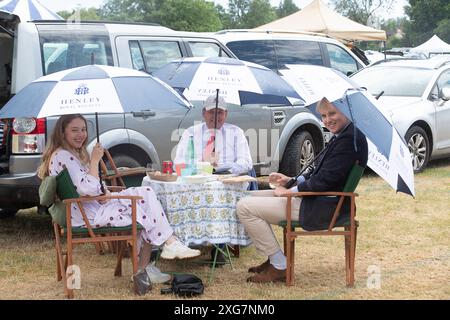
[144, 113]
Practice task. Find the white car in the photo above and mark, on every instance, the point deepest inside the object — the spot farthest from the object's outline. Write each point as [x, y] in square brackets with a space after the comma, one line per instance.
[415, 94]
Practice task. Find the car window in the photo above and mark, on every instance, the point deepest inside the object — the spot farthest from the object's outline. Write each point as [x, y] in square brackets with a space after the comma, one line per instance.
[206, 49]
[60, 54]
[256, 51]
[136, 55]
[394, 81]
[153, 54]
[298, 52]
[341, 60]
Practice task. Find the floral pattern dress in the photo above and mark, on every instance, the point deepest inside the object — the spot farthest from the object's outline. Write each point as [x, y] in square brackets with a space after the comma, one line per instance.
[113, 213]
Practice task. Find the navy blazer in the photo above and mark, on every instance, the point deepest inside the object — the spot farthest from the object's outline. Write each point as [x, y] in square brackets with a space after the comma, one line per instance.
[333, 167]
[330, 174]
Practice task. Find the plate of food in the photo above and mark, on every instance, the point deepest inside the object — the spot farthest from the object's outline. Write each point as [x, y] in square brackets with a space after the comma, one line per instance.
[157, 175]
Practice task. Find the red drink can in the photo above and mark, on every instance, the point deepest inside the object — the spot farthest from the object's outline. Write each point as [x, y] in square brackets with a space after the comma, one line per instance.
[167, 167]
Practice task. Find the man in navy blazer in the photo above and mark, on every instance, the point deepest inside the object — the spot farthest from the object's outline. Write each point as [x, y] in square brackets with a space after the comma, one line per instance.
[330, 173]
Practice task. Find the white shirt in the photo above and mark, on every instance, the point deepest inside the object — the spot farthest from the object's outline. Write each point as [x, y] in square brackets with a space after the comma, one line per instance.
[231, 147]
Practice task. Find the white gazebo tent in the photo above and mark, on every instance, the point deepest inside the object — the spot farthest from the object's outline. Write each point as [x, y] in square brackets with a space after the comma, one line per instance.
[317, 17]
[434, 45]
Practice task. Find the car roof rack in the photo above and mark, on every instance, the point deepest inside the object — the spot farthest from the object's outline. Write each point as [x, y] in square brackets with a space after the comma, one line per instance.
[270, 31]
[98, 22]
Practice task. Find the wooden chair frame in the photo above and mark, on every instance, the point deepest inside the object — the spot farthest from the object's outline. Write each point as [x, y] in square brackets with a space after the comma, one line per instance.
[349, 233]
[116, 178]
[120, 236]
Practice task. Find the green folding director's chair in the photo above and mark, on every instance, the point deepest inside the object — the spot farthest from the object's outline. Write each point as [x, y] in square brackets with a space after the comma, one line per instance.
[58, 193]
[342, 217]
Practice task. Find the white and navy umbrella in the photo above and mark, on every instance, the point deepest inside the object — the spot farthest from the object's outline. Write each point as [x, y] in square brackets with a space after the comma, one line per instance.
[239, 82]
[28, 10]
[388, 155]
[91, 89]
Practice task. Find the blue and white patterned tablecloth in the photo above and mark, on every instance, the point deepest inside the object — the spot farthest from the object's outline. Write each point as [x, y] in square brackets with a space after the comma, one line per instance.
[202, 213]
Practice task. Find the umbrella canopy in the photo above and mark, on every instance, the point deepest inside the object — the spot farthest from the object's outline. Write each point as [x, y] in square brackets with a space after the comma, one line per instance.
[388, 154]
[239, 82]
[28, 10]
[91, 89]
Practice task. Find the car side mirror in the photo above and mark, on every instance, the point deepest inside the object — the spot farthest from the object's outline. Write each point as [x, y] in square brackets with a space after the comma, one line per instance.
[444, 94]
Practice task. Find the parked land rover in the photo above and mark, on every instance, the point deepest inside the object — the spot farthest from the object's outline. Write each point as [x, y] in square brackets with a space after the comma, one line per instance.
[281, 137]
[275, 49]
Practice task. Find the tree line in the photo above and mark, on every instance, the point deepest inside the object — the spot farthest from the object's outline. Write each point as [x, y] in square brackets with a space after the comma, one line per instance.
[423, 17]
[189, 15]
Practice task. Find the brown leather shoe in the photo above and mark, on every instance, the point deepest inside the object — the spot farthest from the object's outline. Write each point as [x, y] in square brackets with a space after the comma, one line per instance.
[259, 268]
[270, 274]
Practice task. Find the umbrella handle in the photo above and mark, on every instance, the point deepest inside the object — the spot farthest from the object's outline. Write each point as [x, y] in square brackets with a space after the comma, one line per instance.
[215, 117]
[99, 167]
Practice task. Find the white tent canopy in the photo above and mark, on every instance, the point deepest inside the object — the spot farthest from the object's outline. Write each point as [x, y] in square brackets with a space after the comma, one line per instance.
[28, 10]
[317, 17]
[433, 45]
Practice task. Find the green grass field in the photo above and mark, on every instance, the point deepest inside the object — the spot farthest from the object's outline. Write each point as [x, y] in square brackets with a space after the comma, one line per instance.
[403, 245]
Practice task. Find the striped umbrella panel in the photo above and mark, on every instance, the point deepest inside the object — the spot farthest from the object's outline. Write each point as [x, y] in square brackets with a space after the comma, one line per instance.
[239, 82]
[28, 10]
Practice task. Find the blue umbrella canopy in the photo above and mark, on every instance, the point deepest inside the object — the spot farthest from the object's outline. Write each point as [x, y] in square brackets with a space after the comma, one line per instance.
[28, 10]
[388, 154]
[239, 82]
[91, 89]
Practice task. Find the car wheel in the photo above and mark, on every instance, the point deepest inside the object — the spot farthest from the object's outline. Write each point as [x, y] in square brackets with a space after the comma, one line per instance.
[122, 160]
[7, 213]
[299, 152]
[419, 147]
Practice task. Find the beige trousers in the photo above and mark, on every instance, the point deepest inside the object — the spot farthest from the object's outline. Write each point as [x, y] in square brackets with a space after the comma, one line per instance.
[259, 211]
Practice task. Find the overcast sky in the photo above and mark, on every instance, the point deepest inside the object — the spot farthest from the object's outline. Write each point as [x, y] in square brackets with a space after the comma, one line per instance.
[58, 5]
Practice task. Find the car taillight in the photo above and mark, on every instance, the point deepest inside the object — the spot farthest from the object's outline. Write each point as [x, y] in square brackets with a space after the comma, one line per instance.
[28, 135]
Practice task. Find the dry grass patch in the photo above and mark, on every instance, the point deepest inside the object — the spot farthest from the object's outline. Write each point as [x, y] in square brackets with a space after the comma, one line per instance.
[406, 238]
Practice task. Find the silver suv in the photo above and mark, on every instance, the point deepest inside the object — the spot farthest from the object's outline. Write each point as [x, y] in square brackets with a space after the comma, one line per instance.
[415, 95]
[280, 137]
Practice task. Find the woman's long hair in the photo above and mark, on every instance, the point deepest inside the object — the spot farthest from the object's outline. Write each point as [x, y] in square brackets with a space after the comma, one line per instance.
[57, 141]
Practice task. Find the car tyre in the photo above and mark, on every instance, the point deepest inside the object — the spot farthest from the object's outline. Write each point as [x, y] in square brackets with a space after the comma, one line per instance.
[122, 160]
[299, 151]
[419, 147]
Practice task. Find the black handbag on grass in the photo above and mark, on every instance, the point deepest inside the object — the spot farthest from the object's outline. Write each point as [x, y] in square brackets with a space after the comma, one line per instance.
[185, 285]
